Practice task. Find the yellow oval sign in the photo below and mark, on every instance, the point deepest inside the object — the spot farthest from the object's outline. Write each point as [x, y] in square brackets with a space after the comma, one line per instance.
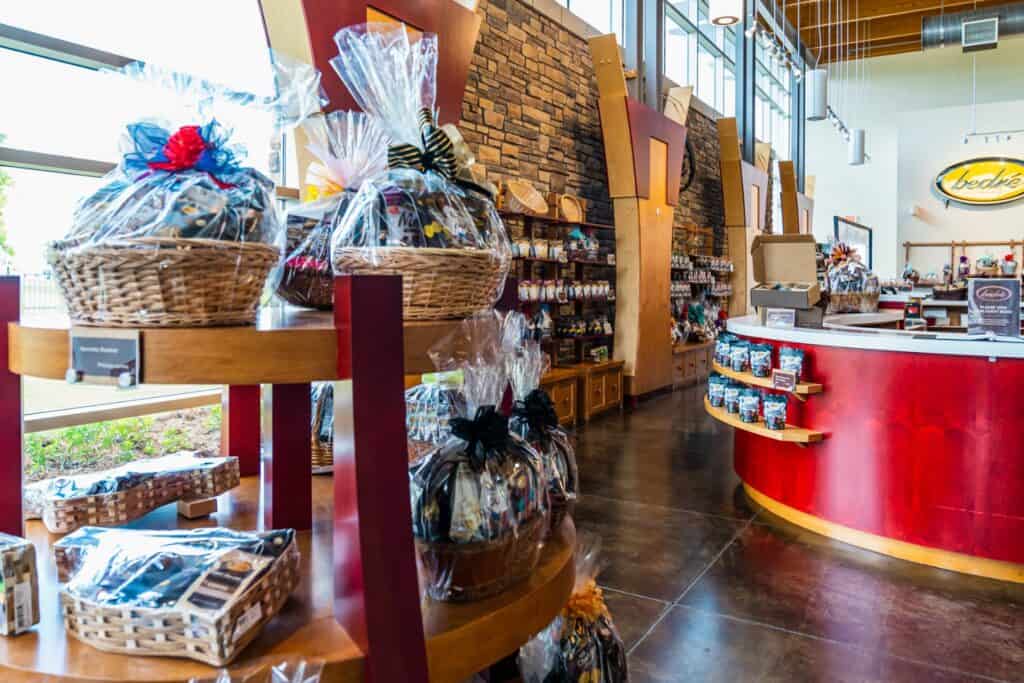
[985, 181]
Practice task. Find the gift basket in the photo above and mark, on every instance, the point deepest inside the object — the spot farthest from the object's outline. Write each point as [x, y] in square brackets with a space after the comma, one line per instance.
[350, 148]
[119, 495]
[19, 585]
[203, 594]
[429, 410]
[322, 432]
[479, 500]
[582, 644]
[534, 419]
[445, 239]
[180, 234]
[852, 287]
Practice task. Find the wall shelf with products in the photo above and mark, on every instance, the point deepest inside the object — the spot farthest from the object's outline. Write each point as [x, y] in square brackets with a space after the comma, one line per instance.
[791, 433]
[801, 388]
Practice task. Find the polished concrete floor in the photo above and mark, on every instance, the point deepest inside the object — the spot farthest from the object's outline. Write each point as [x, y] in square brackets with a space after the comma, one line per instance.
[703, 587]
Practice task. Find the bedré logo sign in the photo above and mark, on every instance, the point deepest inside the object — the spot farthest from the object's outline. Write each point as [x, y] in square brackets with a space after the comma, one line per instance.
[983, 181]
[993, 293]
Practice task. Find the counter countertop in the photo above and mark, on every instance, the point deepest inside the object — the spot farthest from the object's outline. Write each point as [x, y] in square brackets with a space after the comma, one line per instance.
[841, 332]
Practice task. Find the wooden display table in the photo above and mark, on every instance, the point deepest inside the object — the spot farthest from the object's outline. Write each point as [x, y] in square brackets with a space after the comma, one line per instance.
[600, 387]
[561, 385]
[360, 557]
[691, 363]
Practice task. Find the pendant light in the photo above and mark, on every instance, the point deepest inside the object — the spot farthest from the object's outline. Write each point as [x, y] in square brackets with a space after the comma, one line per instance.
[855, 148]
[817, 94]
[725, 12]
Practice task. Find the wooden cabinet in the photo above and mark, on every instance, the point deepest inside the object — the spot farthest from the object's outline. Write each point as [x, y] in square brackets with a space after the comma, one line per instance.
[561, 385]
[600, 387]
[691, 363]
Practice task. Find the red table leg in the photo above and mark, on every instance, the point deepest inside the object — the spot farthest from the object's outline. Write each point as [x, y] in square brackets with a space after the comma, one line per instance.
[287, 487]
[10, 415]
[240, 426]
[377, 597]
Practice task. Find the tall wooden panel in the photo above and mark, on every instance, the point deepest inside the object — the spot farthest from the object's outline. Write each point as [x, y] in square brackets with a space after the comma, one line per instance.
[644, 154]
[797, 208]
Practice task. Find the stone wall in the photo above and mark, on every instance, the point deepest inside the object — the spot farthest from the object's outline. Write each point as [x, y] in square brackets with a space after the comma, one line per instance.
[530, 111]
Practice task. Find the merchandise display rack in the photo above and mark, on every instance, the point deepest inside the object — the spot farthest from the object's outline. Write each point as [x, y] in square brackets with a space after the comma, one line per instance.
[800, 390]
[790, 434]
[358, 607]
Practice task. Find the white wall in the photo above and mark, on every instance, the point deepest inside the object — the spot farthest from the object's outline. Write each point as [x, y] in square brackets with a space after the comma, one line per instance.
[916, 109]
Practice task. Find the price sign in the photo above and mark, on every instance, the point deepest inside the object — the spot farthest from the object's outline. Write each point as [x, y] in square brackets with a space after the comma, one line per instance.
[783, 380]
[109, 357]
[780, 317]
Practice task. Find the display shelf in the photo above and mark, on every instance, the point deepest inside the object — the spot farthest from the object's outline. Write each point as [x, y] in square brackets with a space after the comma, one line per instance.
[537, 259]
[263, 353]
[586, 338]
[462, 638]
[554, 221]
[802, 388]
[789, 434]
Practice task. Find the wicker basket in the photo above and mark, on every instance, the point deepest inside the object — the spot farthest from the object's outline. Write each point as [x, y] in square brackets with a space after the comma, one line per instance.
[437, 284]
[307, 287]
[323, 454]
[474, 571]
[175, 633]
[162, 282]
[520, 196]
[62, 516]
[566, 207]
[853, 302]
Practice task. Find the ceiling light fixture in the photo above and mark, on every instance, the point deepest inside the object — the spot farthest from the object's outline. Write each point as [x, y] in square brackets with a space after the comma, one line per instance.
[725, 12]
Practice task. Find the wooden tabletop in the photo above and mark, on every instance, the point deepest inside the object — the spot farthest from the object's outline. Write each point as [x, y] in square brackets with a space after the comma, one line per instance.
[286, 346]
[462, 638]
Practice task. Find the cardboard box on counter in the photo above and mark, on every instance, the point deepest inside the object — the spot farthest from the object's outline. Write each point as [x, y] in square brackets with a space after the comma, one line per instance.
[785, 271]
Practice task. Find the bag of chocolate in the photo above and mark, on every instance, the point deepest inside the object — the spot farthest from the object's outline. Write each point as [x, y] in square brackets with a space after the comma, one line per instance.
[582, 644]
[775, 411]
[535, 420]
[349, 148]
[417, 218]
[479, 500]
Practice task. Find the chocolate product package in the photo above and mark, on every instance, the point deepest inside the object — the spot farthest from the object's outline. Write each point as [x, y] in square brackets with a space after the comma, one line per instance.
[215, 586]
[19, 587]
[761, 360]
[750, 405]
[732, 396]
[582, 644]
[775, 411]
[716, 390]
[430, 408]
[739, 356]
[723, 354]
[792, 360]
[480, 499]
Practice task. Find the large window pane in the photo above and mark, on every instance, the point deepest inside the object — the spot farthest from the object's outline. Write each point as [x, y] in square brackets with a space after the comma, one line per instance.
[705, 75]
[677, 50]
[604, 15]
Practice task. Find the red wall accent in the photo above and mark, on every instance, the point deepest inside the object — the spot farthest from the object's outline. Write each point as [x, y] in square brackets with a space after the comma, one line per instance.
[10, 415]
[921, 448]
[645, 124]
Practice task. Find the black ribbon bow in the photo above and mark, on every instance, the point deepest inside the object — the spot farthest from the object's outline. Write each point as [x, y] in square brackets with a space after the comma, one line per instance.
[485, 434]
[437, 154]
[539, 412]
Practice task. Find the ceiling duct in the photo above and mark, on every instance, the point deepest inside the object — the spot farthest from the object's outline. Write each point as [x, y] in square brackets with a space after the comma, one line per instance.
[946, 30]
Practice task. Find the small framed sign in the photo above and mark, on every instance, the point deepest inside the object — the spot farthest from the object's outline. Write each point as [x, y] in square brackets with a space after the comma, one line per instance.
[100, 356]
[780, 317]
[783, 380]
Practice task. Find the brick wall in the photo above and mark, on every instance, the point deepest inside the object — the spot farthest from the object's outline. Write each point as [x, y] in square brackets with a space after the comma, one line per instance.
[530, 111]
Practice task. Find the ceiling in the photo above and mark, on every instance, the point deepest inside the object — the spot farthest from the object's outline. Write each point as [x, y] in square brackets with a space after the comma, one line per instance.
[880, 27]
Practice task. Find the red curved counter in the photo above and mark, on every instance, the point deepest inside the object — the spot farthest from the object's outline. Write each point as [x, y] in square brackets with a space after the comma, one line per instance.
[924, 454]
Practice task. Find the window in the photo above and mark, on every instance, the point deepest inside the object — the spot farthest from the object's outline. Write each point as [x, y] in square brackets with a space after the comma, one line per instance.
[604, 15]
[701, 54]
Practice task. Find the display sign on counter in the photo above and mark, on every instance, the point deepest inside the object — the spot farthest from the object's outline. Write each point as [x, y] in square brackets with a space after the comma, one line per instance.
[783, 380]
[104, 357]
[780, 317]
[983, 181]
[993, 306]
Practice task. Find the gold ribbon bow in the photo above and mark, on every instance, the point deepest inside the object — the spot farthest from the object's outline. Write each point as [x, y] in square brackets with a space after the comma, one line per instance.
[437, 154]
[587, 603]
[320, 182]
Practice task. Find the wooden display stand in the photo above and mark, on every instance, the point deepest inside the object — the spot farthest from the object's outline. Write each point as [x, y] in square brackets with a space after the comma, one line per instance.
[797, 208]
[691, 363]
[644, 154]
[358, 607]
[745, 190]
[562, 386]
[600, 387]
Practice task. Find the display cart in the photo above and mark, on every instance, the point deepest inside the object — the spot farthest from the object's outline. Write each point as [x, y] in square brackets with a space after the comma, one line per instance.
[358, 607]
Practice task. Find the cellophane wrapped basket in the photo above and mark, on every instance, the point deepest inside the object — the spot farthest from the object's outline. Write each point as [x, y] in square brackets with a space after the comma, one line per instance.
[120, 495]
[180, 234]
[429, 410]
[535, 420]
[322, 432]
[582, 644]
[19, 585]
[479, 501]
[445, 240]
[203, 594]
[350, 147]
[852, 287]
[289, 671]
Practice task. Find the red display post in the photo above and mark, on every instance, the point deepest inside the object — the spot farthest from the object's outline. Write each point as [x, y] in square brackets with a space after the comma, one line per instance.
[240, 426]
[287, 475]
[11, 468]
[377, 598]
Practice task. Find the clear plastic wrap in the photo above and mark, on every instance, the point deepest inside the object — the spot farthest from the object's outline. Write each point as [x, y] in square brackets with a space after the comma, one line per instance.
[429, 410]
[181, 232]
[582, 644]
[124, 493]
[322, 427]
[534, 418]
[443, 235]
[479, 500]
[290, 671]
[350, 147]
[19, 585]
[202, 594]
[852, 287]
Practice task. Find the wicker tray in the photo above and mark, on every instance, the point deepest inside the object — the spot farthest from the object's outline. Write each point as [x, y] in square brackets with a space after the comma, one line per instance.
[161, 282]
[462, 572]
[520, 196]
[437, 284]
[191, 634]
[62, 516]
